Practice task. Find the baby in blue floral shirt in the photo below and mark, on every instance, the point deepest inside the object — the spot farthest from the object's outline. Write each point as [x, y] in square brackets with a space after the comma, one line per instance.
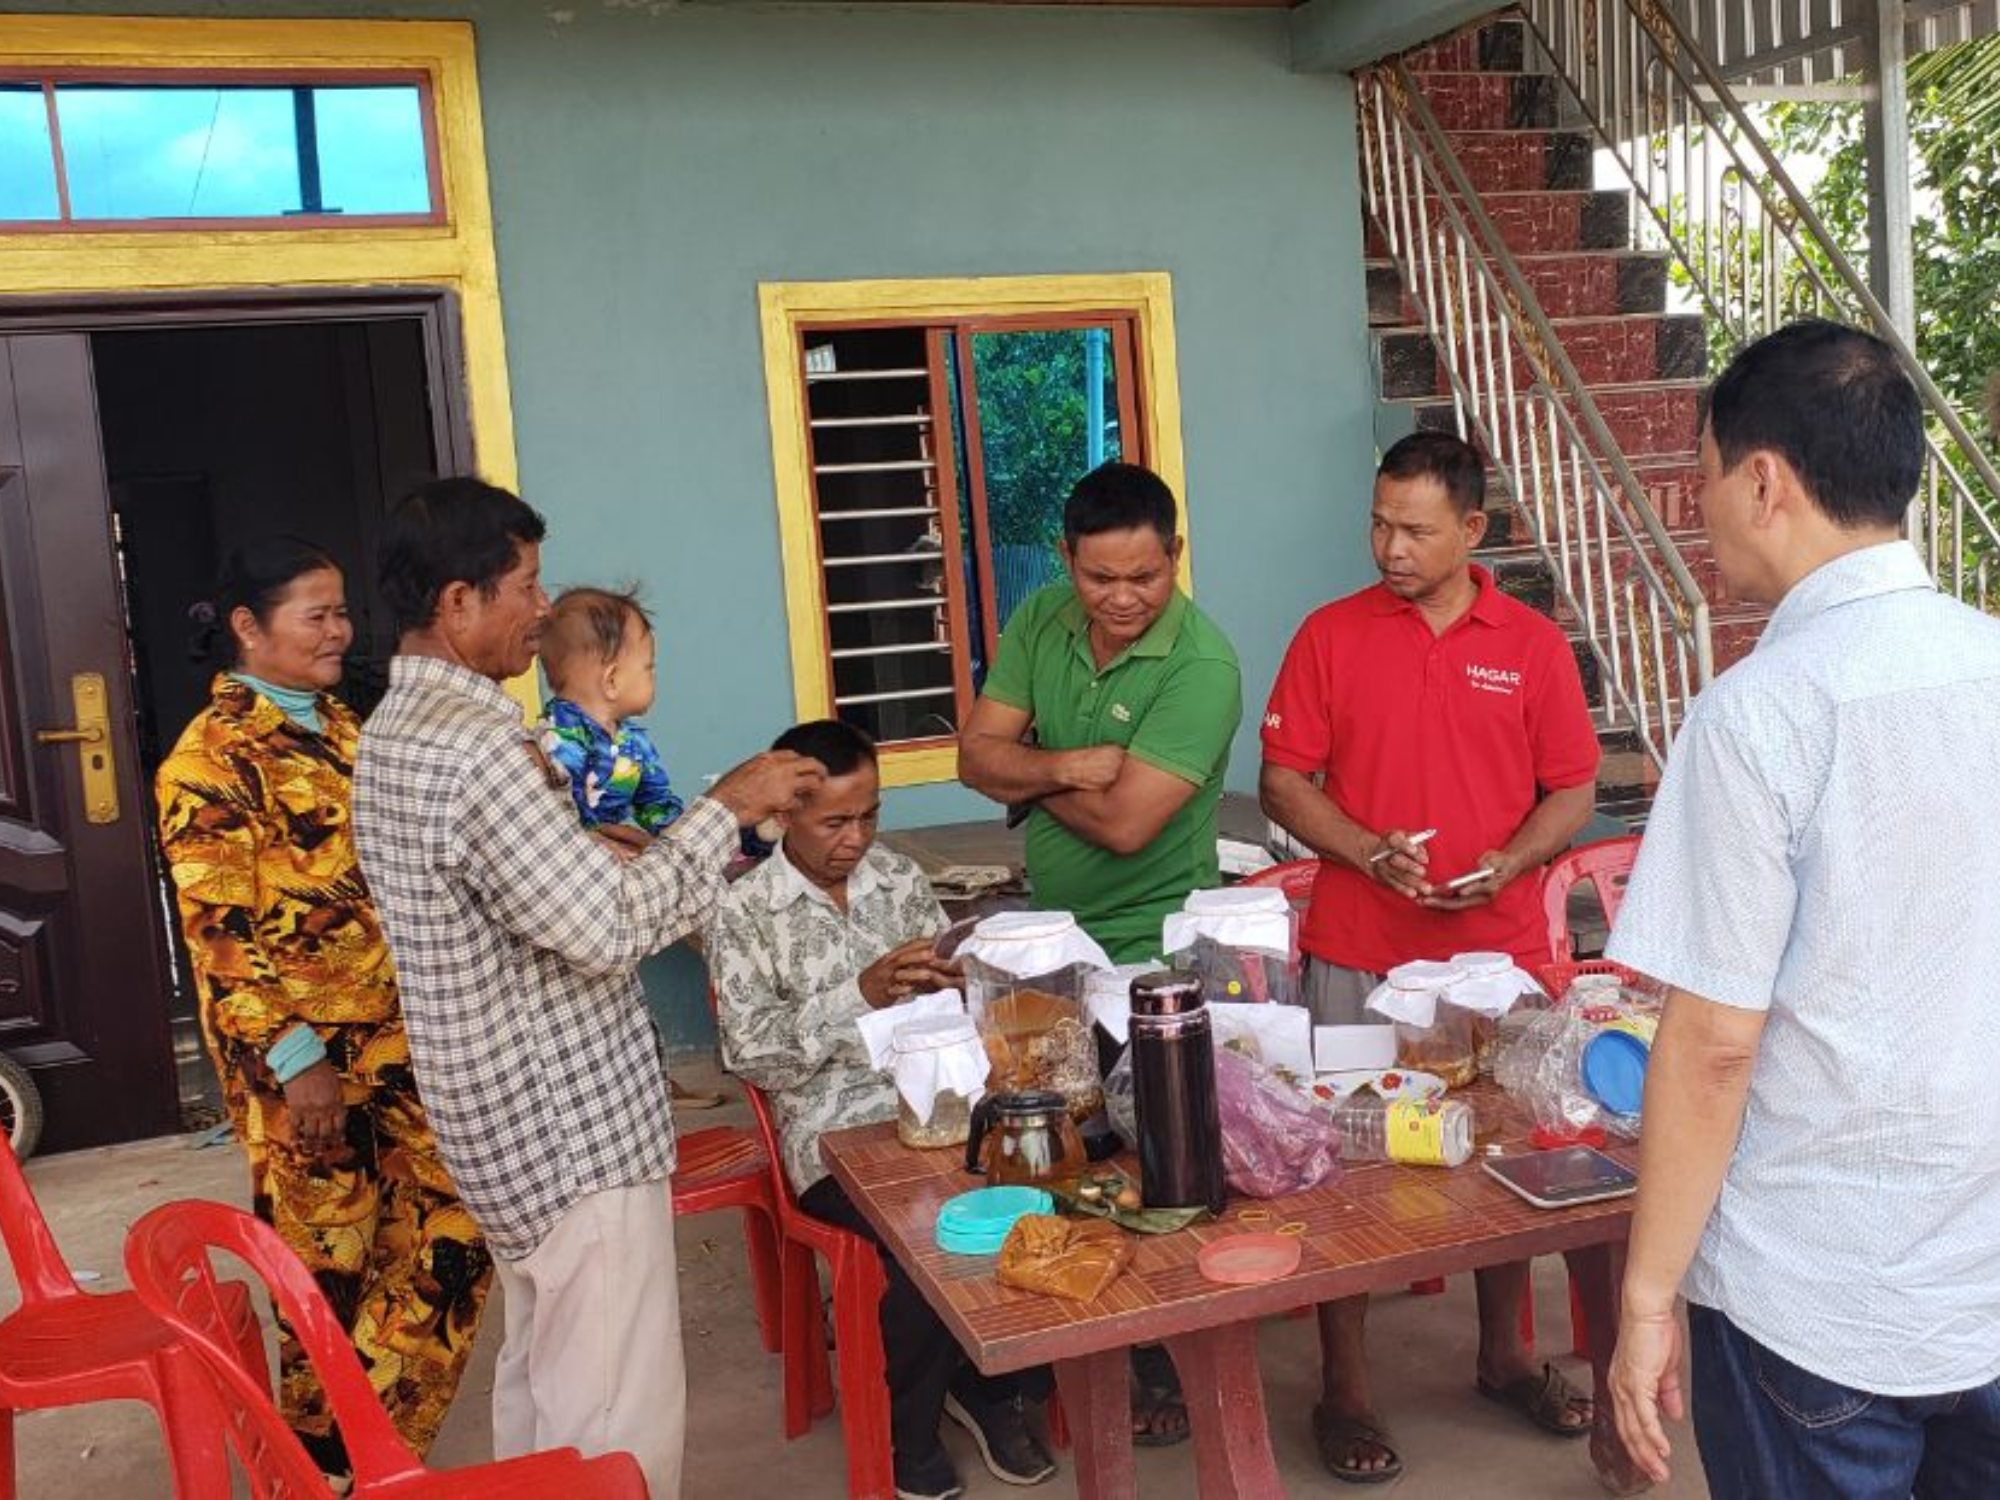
[598, 652]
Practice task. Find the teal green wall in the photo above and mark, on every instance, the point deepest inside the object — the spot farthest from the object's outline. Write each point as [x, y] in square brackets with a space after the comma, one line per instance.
[649, 170]
[728, 148]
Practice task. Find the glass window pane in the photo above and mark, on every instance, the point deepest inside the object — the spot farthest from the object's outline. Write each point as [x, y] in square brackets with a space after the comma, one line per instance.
[27, 158]
[1048, 415]
[147, 152]
[371, 150]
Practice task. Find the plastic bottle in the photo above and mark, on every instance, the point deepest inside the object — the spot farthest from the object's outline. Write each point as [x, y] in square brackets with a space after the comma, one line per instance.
[1416, 1132]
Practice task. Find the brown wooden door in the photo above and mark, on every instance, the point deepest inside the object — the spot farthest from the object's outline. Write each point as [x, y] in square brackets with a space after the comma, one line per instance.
[83, 978]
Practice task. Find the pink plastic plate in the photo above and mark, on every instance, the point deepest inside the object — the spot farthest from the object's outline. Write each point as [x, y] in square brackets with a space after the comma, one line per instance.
[1245, 1259]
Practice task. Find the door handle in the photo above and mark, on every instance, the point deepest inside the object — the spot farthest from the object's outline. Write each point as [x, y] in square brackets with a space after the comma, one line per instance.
[92, 738]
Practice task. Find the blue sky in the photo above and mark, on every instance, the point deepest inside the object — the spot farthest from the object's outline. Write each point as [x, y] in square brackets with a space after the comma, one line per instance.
[144, 153]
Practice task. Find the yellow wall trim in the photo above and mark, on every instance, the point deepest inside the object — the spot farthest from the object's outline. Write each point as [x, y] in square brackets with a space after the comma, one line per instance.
[786, 307]
[457, 254]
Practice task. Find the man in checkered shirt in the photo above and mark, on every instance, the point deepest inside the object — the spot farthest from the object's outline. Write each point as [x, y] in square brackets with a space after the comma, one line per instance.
[517, 938]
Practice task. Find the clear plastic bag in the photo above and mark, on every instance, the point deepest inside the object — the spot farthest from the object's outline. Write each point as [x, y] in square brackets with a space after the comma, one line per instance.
[1119, 1107]
[1542, 1065]
[1274, 1140]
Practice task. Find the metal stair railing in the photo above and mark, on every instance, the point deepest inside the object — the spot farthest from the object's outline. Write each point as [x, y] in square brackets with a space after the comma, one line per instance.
[1707, 187]
[1616, 570]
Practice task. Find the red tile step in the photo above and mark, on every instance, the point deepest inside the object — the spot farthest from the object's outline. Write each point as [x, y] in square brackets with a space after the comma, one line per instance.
[1572, 284]
[1525, 161]
[1541, 223]
[1605, 351]
[1646, 421]
[1492, 101]
[1486, 47]
[1668, 484]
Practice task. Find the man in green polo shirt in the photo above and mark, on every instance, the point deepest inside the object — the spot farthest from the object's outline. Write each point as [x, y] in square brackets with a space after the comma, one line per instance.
[1133, 695]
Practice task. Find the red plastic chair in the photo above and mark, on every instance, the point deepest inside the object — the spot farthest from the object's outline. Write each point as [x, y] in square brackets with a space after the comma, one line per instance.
[1607, 864]
[64, 1346]
[1294, 877]
[167, 1256]
[727, 1166]
[858, 1285]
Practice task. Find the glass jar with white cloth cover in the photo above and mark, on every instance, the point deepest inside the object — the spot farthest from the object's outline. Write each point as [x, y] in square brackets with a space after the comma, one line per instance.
[1243, 941]
[1025, 974]
[1437, 1007]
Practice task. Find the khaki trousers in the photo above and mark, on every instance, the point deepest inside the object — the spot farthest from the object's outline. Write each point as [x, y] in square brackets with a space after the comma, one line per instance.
[592, 1358]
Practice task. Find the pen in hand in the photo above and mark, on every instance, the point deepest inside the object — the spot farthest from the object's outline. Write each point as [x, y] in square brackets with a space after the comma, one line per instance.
[1415, 839]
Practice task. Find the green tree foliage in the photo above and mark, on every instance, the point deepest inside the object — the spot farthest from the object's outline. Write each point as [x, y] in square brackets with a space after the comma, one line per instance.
[1033, 421]
[1954, 112]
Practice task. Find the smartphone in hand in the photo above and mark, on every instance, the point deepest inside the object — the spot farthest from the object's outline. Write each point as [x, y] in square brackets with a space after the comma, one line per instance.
[1470, 877]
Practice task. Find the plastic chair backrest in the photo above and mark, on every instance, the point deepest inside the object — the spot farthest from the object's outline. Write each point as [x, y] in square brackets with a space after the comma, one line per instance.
[767, 1132]
[167, 1256]
[38, 1264]
[1295, 878]
[1607, 864]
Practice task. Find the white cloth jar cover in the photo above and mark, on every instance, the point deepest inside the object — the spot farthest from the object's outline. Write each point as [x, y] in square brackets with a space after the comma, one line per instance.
[1486, 984]
[935, 1055]
[1248, 917]
[1026, 943]
[878, 1027]
[1492, 983]
[1410, 992]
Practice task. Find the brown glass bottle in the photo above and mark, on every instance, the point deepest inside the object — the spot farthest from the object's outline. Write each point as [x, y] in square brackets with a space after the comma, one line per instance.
[1173, 1094]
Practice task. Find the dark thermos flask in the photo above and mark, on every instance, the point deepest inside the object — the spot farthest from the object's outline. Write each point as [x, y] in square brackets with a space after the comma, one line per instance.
[1173, 1093]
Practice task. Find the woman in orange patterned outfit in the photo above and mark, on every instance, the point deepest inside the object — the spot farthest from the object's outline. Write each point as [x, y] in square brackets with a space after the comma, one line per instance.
[298, 1000]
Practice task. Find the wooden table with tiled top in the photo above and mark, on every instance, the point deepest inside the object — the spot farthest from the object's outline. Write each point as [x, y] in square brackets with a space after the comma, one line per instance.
[1377, 1228]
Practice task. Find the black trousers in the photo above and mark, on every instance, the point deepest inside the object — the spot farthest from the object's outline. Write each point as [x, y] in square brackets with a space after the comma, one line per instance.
[924, 1361]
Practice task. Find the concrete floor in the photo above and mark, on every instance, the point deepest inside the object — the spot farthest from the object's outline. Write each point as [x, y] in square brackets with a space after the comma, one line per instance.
[1453, 1444]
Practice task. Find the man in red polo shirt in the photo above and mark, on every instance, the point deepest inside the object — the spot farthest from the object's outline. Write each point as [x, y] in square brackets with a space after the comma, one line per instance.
[1427, 701]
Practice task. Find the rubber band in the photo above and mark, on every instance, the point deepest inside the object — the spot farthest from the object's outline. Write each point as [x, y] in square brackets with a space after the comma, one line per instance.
[1253, 1215]
[1296, 1226]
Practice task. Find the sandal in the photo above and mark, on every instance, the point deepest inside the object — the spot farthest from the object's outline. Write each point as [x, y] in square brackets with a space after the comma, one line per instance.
[1545, 1399]
[1156, 1393]
[1343, 1441]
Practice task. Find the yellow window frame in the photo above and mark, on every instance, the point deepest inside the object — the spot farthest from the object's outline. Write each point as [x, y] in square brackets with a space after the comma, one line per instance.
[788, 306]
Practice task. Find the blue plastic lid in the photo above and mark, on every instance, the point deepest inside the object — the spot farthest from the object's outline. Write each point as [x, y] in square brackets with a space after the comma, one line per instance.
[1614, 1071]
[978, 1222]
[972, 1244]
[982, 1208]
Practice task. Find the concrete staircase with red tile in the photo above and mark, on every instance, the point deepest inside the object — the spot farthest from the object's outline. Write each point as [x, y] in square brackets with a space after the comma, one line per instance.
[1608, 303]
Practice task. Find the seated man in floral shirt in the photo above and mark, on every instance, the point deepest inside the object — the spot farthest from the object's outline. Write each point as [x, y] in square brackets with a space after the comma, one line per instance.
[828, 928]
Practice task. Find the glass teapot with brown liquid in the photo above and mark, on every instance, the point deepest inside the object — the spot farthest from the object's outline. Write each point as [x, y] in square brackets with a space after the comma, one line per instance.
[1024, 1137]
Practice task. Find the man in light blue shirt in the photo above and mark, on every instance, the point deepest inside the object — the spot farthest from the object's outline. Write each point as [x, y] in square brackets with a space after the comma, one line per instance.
[1821, 1157]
